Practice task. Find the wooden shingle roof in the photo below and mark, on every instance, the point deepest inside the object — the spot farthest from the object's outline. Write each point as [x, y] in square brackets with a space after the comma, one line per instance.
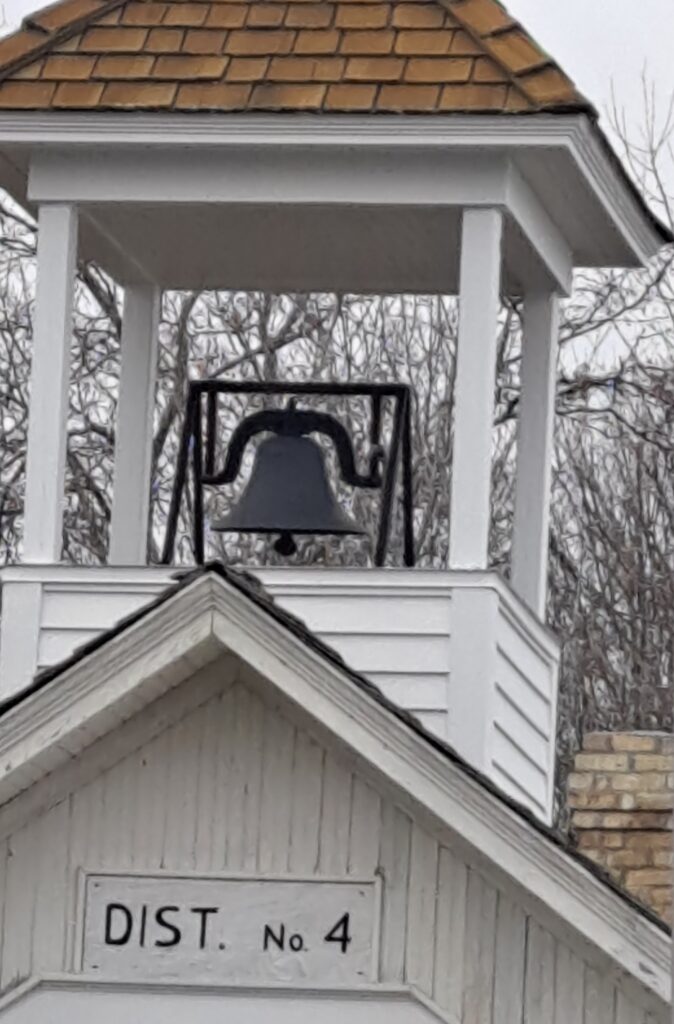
[356, 56]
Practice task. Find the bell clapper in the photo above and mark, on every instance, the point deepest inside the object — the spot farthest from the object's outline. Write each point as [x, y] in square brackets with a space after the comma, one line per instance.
[285, 545]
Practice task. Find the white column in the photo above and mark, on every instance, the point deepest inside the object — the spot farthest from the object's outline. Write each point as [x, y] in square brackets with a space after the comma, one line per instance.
[531, 524]
[133, 438]
[474, 389]
[52, 337]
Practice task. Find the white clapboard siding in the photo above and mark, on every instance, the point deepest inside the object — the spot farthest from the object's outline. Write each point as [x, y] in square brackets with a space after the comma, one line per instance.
[75, 611]
[236, 785]
[394, 626]
[524, 720]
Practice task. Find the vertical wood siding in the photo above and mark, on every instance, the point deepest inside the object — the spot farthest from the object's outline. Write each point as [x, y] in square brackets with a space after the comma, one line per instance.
[236, 786]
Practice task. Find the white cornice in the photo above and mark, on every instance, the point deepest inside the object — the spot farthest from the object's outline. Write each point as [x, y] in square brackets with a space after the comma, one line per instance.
[574, 133]
[273, 130]
[46, 729]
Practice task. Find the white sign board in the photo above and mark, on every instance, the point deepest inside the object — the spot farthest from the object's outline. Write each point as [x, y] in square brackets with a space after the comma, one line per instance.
[229, 930]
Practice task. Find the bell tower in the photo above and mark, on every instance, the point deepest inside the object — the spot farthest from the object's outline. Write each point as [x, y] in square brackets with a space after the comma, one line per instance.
[406, 159]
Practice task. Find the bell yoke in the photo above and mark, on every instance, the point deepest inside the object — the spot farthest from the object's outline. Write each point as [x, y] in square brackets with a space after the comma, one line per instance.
[288, 491]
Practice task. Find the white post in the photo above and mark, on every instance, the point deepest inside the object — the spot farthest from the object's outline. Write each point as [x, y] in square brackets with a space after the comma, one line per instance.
[47, 430]
[133, 440]
[475, 386]
[534, 449]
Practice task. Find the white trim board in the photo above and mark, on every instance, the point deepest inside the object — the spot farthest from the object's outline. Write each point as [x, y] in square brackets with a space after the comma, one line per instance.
[68, 994]
[211, 615]
[544, 134]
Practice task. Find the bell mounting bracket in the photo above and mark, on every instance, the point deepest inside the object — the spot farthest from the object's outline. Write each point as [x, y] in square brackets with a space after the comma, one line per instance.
[292, 422]
[198, 439]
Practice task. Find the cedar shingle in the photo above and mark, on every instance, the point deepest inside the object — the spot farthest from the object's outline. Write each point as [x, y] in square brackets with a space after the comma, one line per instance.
[111, 18]
[375, 69]
[164, 40]
[547, 84]
[268, 96]
[350, 97]
[408, 97]
[292, 69]
[213, 96]
[368, 42]
[143, 14]
[78, 95]
[328, 69]
[109, 40]
[517, 51]
[305, 69]
[362, 16]
[258, 42]
[19, 45]
[418, 15]
[309, 15]
[70, 45]
[189, 69]
[438, 69]
[483, 16]
[423, 43]
[186, 14]
[29, 71]
[318, 41]
[463, 45]
[357, 55]
[226, 16]
[247, 69]
[473, 97]
[130, 95]
[261, 15]
[516, 102]
[119, 65]
[68, 67]
[486, 70]
[26, 95]
[205, 40]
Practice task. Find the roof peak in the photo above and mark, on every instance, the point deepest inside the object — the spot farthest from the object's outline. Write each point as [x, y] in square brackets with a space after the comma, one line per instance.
[355, 56]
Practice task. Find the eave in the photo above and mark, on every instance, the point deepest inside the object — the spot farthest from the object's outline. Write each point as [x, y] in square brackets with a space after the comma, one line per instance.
[619, 229]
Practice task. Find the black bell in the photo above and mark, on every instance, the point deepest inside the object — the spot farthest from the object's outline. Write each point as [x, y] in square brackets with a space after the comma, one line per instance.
[288, 493]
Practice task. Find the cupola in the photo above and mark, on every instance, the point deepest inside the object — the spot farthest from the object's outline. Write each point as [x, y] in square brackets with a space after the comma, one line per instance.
[405, 147]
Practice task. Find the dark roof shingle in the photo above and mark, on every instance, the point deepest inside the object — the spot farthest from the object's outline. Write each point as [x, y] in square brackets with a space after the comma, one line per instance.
[431, 56]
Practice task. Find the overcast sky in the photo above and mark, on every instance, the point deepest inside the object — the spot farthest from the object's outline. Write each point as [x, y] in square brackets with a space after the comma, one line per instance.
[597, 42]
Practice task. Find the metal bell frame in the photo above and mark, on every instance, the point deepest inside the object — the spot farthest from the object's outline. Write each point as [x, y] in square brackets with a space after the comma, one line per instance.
[203, 455]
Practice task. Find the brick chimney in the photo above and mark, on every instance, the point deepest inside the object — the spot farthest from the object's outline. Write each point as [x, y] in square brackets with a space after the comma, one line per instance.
[621, 793]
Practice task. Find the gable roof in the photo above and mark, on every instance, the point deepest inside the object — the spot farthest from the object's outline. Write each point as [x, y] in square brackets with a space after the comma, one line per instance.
[213, 610]
[250, 586]
[444, 56]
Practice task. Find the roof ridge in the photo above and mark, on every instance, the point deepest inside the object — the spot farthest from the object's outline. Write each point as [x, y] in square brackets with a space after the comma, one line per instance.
[38, 32]
[469, 14]
[451, 7]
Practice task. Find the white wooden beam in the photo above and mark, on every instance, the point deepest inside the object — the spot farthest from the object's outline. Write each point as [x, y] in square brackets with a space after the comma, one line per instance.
[133, 438]
[52, 337]
[534, 449]
[284, 175]
[543, 235]
[474, 390]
